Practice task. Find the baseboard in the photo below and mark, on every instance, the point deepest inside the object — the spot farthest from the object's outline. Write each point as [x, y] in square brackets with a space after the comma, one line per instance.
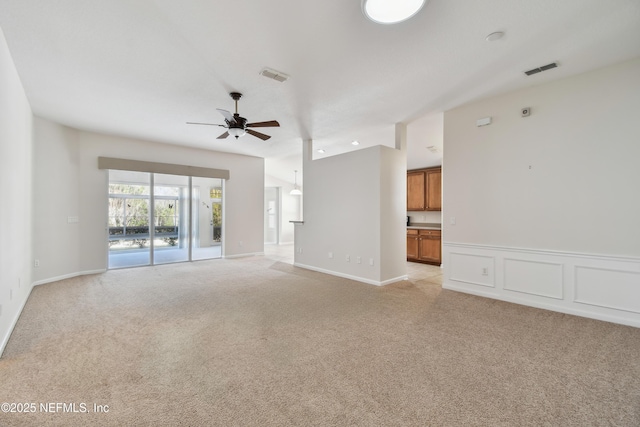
[245, 255]
[351, 277]
[601, 287]
[68, 276]
[5, 338]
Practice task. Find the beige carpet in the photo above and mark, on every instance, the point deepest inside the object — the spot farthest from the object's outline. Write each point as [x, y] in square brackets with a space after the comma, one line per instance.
[258, 342]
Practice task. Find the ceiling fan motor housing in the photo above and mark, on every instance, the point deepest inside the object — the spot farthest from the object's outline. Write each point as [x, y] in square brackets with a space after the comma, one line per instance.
[237, 125]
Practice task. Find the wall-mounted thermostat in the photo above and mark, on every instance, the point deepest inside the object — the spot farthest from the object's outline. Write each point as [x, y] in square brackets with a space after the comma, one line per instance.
[526, 112]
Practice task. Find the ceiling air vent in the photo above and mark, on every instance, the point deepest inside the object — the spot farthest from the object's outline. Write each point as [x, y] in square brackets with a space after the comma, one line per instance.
[540, 69]
[275, 75]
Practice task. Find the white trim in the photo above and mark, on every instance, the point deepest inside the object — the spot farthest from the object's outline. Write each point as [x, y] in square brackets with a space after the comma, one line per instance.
[522, 301]
[543, 252]
[555, 264]
[14, 322]
[610, 296]
[348, 276]
[610, 270]
[68, 276]
[245, 255]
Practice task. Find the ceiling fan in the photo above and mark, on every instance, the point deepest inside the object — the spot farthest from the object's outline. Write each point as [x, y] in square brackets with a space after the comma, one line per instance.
[237, 126]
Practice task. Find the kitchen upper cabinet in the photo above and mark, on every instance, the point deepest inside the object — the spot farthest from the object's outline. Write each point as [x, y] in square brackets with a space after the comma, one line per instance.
[416, 191]
[424, 189]
[434, 189]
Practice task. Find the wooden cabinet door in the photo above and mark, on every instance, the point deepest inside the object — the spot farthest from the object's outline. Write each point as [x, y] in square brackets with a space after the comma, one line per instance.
[412, 244]
[429, 246]
[434, 190]
[416, 188]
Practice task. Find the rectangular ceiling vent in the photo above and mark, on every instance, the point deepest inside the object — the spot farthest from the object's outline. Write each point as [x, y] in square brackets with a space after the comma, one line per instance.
[275, 75]
[540, 69]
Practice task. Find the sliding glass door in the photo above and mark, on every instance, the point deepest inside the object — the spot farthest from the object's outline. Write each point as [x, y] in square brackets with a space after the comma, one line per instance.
[206, 196]
[170, 218]
[159, 219]
[129, 208]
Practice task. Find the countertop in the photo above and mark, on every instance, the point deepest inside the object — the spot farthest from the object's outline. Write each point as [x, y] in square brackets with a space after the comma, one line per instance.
[425, 226]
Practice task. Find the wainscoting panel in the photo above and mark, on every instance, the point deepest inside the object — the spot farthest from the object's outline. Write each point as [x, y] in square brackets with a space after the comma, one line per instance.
[472, 269]
[596, 286]
[617, 289]
[533, 277]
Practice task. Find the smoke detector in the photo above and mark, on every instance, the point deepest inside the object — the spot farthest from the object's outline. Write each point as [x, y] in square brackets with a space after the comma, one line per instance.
[274, 75]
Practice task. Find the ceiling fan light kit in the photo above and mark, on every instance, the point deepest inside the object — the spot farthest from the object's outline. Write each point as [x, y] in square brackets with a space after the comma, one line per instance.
[237, 125]
[237, 132]
[391, 11]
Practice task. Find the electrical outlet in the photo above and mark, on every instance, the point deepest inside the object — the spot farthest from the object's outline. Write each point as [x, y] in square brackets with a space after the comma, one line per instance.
[485, 271]
[348, 258]
[358, 260]
[370, 261]
[453, 220]
[330, 255]
[36, 263]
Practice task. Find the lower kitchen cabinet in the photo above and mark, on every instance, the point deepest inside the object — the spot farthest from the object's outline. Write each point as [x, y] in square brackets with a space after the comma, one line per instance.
[412, 244]
[424, 246]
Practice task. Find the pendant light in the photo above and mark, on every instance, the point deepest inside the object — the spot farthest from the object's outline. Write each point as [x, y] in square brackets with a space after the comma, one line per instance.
[296, 190]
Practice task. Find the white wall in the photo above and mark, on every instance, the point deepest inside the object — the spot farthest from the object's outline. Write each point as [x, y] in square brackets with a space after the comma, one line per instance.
[15, 209]
[69, 183]
[354, 205]
[424, 132]
[549, 202]
[56, 196]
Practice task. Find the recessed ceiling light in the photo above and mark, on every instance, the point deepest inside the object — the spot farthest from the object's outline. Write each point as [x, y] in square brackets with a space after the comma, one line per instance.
[355, 143]
[391, 11]
[494, 36]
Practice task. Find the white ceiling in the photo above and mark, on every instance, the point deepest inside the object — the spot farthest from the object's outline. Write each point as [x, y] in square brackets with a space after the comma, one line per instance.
[142, 68]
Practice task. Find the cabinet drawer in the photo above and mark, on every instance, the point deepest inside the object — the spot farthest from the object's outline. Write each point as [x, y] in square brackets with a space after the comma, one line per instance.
[435, 233]
[412, 232]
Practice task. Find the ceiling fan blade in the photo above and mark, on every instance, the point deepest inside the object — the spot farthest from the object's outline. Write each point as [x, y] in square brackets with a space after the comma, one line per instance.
[208, 124]
[223, 136]
[227, 115]
[262, 136]
[270, 123]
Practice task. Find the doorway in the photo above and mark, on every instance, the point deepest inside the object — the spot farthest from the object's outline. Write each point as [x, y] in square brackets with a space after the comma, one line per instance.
[272, 215]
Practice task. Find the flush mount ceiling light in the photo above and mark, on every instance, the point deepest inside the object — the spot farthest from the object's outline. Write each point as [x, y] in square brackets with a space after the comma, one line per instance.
[391, 11]
[355, 143]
